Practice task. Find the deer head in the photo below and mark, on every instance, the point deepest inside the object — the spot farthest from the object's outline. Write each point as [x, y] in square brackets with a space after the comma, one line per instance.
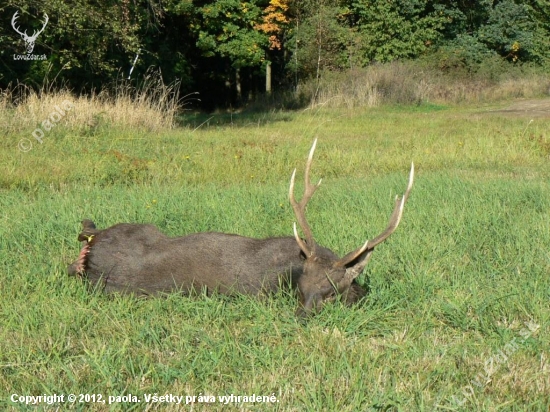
[29, 40]
[325, 278]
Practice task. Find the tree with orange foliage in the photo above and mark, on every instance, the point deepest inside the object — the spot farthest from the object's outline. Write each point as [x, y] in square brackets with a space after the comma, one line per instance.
[274, 21]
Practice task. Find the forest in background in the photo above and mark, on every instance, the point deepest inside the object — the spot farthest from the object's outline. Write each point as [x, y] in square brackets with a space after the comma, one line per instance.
[221, 49]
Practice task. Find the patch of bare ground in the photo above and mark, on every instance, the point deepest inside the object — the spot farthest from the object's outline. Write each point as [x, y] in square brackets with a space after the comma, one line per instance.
[539, 108]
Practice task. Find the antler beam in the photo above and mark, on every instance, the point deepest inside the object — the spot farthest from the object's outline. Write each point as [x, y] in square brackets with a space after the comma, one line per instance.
[300, 208]
[395, 218]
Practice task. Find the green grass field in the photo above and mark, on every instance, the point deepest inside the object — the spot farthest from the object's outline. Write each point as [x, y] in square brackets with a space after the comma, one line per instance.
[457, 316]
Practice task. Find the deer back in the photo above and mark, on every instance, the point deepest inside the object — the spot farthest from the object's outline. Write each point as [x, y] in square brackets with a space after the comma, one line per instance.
[139, 258]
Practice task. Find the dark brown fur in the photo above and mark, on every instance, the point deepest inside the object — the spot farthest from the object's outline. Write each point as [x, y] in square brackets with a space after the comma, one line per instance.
[138, 258]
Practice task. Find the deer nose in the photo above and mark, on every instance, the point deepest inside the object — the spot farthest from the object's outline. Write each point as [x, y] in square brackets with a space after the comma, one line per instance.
[309, 304]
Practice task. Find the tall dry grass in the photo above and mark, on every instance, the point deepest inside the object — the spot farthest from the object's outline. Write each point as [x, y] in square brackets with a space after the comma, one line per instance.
[152, 106]
[414, 83]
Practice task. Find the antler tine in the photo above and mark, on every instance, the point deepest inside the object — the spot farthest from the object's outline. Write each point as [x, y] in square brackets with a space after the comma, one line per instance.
[35, 32]
[46, 20]
[300, 208]
[14, 21]
[395, 218]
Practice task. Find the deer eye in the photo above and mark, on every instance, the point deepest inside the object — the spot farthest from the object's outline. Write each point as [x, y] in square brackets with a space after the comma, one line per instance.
[330, 297]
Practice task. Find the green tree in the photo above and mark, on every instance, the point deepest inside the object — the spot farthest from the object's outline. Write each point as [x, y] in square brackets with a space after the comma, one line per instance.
[228, 28]
[398, 29]
[512, 31]
[320, 38]
[87, 42]
[241, 35]
[483, 35]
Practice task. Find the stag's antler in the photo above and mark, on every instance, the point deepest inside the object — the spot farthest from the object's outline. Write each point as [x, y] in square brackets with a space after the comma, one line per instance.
[395, 218]
[300, 208]
[46, 20]
[324, 273]
[13, 21]
[29, 40]
[299, 211]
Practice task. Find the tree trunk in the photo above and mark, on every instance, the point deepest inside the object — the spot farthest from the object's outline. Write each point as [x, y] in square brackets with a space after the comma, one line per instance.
[238, 86]
[268, 78]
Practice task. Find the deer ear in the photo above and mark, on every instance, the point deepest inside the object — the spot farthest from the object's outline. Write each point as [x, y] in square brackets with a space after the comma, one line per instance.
[88, 231]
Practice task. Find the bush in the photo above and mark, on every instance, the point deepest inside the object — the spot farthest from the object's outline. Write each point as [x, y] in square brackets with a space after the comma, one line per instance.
[416, 82]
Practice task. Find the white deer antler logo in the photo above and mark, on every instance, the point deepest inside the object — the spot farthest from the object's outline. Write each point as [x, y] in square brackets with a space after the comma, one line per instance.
[29, 40]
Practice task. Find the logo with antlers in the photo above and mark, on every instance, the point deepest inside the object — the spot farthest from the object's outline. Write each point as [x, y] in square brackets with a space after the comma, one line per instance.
[29, 40]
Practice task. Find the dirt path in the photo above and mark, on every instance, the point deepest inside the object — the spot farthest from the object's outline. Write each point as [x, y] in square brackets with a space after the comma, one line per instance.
[539, 108]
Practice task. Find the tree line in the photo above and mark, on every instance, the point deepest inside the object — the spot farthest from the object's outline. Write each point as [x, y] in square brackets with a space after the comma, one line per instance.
[223, 49]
